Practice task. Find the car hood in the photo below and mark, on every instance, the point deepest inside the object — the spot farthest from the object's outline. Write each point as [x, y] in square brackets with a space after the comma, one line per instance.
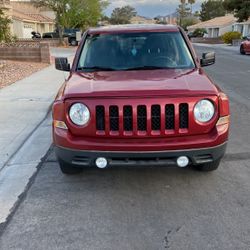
[143, 83]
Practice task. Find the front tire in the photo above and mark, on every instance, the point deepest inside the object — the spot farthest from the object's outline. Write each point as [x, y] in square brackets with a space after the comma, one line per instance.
[208, 167]
[68, 169]
[242, 51]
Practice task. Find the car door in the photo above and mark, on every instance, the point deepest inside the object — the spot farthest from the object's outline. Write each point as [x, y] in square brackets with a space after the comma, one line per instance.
[247, 45]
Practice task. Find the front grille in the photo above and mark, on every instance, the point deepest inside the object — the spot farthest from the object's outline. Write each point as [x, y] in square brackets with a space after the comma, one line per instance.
[169, 116]
[156, 117]
[128, 118]
[100, 118]
[163, 118]
[114, 118]
[142, 118]
[183, 110]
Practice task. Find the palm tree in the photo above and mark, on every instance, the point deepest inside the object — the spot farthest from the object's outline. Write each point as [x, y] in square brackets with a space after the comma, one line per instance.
[191, 2]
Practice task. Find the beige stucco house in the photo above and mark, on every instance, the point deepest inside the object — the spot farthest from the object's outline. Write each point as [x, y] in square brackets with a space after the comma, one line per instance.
[243, 27]
[27, 18]
[216, 27]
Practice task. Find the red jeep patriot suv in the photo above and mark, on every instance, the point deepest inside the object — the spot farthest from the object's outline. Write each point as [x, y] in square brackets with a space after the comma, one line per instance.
[137, 96]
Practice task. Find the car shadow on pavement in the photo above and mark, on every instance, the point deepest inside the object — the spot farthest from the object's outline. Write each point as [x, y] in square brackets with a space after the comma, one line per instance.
[131, 208]
[130, 178]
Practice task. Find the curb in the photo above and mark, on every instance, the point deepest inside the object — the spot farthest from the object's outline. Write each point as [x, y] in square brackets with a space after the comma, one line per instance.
[23, 195]
[22, 171]
[29, 135]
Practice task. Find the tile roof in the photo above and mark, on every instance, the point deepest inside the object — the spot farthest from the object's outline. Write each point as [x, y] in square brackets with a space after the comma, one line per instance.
[215, 22]
[40, 18]
[31, 17]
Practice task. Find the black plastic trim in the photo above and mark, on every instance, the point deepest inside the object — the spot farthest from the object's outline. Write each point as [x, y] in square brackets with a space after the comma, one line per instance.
[78, 158]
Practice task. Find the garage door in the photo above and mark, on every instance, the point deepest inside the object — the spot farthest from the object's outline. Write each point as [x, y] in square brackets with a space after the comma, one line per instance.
[27, 31]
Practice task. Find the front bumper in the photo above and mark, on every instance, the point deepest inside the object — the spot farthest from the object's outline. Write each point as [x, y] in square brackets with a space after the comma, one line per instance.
[80, 158]
[65, 139]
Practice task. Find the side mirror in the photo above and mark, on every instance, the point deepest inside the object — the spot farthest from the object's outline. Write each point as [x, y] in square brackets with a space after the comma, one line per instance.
[62, 64]
[207, 59]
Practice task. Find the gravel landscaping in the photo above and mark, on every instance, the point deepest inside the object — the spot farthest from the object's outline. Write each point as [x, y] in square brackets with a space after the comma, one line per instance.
[12, 71]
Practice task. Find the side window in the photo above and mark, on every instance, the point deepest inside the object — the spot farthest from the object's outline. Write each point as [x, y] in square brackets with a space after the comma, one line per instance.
[84, 59]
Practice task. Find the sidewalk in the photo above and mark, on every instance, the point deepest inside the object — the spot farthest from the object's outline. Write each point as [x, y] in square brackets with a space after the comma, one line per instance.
[25, 130]
[23, 106]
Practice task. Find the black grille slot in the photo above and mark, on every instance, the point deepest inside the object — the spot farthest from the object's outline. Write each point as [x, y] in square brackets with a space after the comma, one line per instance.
[156, 117]
[169, 117]
[100, 118]
[142, 118]
[183, 111]
[114, 118]
[128, 118]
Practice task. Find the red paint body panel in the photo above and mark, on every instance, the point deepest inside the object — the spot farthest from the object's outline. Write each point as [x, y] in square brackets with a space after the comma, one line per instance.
[216, 137]
[133, 28]
[148, 87]
[169, 83]
[246, 46]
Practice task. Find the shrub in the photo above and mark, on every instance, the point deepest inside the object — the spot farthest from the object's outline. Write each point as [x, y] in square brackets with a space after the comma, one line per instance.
[230, 36]
[5, 35]
[199, 32]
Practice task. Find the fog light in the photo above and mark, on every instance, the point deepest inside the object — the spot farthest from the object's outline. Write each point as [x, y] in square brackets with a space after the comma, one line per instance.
[182, 161]
[101, 162]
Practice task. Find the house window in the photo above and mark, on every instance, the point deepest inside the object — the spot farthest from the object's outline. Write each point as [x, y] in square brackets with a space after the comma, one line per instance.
[210, 32]
[216, 32]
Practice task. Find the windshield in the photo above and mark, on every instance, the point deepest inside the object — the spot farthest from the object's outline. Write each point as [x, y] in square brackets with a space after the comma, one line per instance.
[135, 51]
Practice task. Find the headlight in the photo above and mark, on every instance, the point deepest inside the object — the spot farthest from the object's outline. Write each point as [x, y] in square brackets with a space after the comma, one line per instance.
[79, 114]
[204, 111]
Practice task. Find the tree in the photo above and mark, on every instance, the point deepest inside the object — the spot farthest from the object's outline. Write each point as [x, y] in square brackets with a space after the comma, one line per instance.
[82, 13]
[122, 15]
[188, 21]
[241, 8]
[211, 9]
[183, 11]
[5, 35]
[191, 2]
[74, 13]
[197, 14]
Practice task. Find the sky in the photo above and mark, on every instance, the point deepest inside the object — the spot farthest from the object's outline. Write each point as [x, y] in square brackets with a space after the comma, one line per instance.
[149, 8]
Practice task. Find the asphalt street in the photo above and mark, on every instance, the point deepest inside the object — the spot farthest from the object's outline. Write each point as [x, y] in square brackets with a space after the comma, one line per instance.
[146, 208]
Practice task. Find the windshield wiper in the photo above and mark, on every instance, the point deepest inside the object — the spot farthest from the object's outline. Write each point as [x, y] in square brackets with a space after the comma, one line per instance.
[97, 68]
[146, 68]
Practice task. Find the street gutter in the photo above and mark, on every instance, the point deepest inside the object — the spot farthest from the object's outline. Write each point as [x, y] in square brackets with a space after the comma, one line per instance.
[17, 175]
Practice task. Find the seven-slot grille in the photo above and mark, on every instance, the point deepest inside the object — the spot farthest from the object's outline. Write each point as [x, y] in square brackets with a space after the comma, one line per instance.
[146, 119]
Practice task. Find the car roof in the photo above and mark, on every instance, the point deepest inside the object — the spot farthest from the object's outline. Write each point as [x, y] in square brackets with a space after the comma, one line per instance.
[127, 28]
